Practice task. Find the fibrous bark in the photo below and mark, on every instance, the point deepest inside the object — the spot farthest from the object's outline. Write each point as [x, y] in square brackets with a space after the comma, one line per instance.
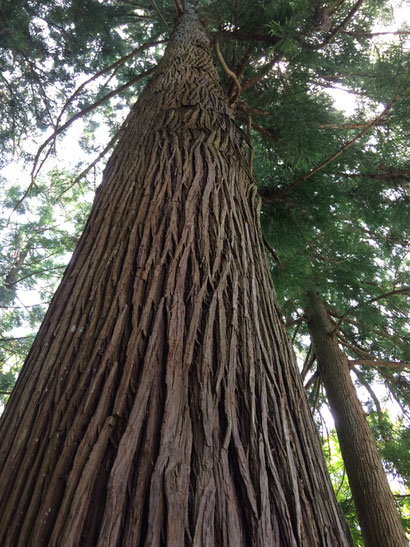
[160, 403]
[376, 510]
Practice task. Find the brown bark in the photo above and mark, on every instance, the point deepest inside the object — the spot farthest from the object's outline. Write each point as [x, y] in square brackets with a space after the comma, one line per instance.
[160, 403]
[11, 278]
[376, 510]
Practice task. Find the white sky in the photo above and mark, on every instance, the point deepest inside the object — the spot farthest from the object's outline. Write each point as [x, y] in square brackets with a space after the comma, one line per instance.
[345, 101]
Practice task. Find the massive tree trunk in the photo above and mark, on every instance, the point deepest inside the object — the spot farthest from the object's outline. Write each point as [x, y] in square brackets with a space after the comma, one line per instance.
[376, 510]
[160, 403]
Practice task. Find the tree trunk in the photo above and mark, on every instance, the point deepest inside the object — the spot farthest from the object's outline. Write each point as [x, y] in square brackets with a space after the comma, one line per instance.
[10, 279]
[376, 510]
[160, 403]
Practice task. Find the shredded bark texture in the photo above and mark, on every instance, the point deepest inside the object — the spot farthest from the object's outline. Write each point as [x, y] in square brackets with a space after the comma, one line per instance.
[160, 403]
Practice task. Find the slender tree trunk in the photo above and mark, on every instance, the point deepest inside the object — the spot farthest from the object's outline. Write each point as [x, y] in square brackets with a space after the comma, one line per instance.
[160, 403]
[376, 510]
[10, 279]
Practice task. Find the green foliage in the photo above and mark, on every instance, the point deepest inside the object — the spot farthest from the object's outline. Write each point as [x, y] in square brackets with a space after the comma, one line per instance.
[346, 224]
[36, 241]
[394, 444]
[46, 48]
[394, 435]
[335, 465]
[12, 353]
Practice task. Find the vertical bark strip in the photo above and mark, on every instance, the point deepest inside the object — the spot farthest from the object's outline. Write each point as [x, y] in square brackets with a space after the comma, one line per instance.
[160, 403]
[376, 510]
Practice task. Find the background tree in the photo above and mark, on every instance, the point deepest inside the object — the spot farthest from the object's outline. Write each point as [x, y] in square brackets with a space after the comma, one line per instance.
[35, 245]
[374, 502]
[349, 236]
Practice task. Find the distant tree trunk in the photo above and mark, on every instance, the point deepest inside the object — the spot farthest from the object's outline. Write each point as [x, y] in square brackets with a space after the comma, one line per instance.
[376, 510]
[160, 403]
[10, 279]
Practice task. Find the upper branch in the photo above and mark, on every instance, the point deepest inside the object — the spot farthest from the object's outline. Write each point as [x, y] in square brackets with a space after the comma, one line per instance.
[347, 144]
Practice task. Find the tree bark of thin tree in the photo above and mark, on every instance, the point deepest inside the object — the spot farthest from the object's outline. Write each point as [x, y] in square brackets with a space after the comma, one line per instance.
[374, 502]
[160, 403]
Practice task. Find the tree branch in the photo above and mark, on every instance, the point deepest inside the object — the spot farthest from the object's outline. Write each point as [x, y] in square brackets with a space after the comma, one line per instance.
[44, 270]
[251, 110]
[99, 157]
[372, 34]
[294, 322]
[403, 290]
[309, 362]
[17, 337]
[113, 66]
[264, 70]
[342, 76]
[178, 7]
[378, 363]
[68, 123]
[338, 324]
[346, 318]
[251, 150]
[379, 176]
[342, 481]
[161, 16]
[347, 145]
[343, 126]
[273, 254]
[360, 352]
[229, 72]
[248, 36]
[339, 28]
[372, 394]
[312, 380]
[404, 391]
[299, 322]
[265, 132]
[42, 90]
[82, 113]
[319, 385]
